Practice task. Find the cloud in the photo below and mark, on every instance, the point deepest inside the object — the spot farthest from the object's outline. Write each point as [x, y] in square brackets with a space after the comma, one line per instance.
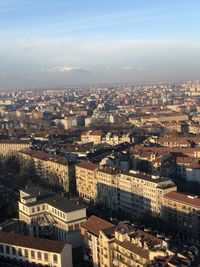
[124, 68]
[63, 61]
[69, 23]
[65, 69]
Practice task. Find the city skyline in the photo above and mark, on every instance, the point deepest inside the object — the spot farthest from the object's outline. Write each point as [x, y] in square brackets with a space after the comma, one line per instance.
[64, 43]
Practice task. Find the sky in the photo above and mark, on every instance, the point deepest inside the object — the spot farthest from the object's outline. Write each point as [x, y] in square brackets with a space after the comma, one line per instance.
[47, 43]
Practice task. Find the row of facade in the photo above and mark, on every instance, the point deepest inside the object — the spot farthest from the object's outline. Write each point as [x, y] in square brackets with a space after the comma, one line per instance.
[98, 138]
[54, 170]
[21, 250]
[107, 245]
[129, 192]
[134, 193]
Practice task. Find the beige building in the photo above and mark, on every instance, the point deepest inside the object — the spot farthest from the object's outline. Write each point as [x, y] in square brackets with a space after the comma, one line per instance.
[125, 246]
[176, 117]
[115, 139]
[174, 141]
[10, 148]
[133, 192]
[97, 138]
[181, 213]
[18, 250]
[91, 136]
[90, 230]
[127, 192]
[69, 122]
[53, 170]
[194, 128]
[173, 127]
[50, 215]
[86, 181]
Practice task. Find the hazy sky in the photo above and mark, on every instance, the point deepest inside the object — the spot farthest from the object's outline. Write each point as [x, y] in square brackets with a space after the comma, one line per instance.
[62, 42]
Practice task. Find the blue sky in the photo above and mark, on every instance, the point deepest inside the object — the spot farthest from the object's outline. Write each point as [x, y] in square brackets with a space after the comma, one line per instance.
[48, 42]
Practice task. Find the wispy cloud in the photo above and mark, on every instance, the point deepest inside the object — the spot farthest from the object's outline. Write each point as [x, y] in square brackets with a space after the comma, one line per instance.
[80, 23]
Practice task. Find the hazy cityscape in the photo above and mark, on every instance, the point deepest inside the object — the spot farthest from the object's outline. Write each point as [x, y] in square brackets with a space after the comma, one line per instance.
[99, 133]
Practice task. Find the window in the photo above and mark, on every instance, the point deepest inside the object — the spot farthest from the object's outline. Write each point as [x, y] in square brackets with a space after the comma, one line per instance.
[39, 256]
[46, 258]
[14, 251]
[1, 249]
[38, 208]
[77, 226]
[7, 249]
[32, 254]
[71, 228]
[20, 252]
[33, 210]
[55, 258]
[26, 253]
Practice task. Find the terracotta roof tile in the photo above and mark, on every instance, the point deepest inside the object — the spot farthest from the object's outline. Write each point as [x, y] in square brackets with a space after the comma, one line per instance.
[31, 242]
[183, 198]
[95, 224]
[134, 248]
[87, 165]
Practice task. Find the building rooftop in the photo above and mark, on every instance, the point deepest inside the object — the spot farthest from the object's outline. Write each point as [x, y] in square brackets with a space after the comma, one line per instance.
[34, 191]
[19, 142]
[133, 248]
[31, 242]
[53, 199]
[87, 165]
[184, 198]
[44, 156]
[95, 224]
[147, 177]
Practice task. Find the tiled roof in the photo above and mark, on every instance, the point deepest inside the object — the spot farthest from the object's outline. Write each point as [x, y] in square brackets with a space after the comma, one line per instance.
[87, 165]
[109, 170]
[95, 224]
[183, 198]
[193, 165]
[17, 142]
[134, 248]
[45, 156]
[31, 242]
[185, 160]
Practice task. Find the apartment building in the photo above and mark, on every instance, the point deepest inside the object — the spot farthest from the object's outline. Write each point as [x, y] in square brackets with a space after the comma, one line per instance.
[133, 192]
[171, 141]
[176, 117]
[91, 136]
[107, 187]
[53, 170]
[21, 250]
[50, 215]
[86, 180]
[191, 152]
[124, 245]
[69, 122]
[130, 192]
[173, 127]
[188, 168]
[9, 148]
[113, 139]
[90, 230]
[194, 128]
[181, 213]
[98, 138]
